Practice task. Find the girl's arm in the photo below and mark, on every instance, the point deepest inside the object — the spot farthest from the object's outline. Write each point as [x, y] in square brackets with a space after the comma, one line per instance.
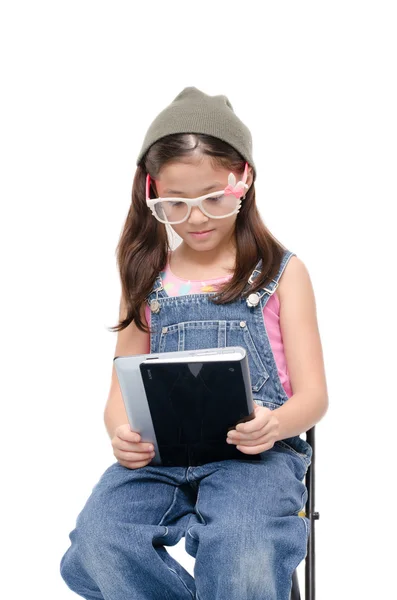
[303, 353]
[130, 340]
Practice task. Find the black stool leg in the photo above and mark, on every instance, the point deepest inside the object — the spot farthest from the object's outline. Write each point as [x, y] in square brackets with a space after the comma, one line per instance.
[313, 516]
[310, 567]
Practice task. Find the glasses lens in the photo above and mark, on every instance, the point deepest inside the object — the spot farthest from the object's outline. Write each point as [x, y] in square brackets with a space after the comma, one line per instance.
[171, 211]
[175, 211]
[220, 205]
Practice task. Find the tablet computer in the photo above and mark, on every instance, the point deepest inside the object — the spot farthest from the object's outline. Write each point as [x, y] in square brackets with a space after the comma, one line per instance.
[133, 391]
[185, 402]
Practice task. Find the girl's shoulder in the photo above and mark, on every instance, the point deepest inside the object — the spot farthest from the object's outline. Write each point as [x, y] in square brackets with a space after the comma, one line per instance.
[295, 279]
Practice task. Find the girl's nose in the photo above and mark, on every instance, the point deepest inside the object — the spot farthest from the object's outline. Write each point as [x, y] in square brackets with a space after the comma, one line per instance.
[197, 216]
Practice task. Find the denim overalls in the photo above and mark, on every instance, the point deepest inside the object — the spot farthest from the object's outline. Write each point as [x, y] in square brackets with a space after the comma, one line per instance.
[192, 321]
[240, 518]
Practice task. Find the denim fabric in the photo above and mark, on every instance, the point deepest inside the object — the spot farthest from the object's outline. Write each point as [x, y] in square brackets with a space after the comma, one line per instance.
[240, 518]
[192, 321]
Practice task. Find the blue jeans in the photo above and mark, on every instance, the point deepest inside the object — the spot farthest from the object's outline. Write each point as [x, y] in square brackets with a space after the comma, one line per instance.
[239, 518]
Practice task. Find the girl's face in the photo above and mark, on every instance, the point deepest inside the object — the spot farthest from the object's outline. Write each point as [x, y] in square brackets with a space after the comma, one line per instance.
[190, 180]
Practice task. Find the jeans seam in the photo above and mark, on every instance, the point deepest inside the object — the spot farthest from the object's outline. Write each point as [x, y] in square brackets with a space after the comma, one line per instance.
[199, 513]
[196, 507]
[303, 500]
[303, 508]
[180, 578]
[168, 510]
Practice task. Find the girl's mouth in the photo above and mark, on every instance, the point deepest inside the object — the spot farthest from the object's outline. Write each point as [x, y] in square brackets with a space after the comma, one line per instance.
[201, 234]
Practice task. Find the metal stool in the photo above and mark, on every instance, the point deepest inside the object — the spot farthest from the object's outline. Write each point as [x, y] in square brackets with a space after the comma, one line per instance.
[310, 590]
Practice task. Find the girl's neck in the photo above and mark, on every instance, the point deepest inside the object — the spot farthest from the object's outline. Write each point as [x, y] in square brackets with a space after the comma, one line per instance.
[184, 267]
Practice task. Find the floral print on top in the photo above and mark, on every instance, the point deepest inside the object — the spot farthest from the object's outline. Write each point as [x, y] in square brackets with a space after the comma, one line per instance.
[175, 286]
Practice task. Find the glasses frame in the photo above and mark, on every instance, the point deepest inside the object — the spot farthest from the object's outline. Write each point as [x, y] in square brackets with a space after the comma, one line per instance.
[237, 189]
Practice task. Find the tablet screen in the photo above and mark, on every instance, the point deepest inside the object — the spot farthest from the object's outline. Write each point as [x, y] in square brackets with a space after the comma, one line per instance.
[193, 405]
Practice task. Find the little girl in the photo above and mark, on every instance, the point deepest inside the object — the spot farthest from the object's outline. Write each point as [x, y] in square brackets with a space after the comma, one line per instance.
[228, 283]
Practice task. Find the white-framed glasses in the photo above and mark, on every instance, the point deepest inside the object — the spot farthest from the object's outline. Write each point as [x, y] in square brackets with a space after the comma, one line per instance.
[216, 205]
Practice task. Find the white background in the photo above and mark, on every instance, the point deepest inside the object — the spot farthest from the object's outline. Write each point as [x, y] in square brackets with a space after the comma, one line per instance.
[81, 83]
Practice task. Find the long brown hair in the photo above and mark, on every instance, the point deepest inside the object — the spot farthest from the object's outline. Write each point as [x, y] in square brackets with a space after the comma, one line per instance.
[143, 246]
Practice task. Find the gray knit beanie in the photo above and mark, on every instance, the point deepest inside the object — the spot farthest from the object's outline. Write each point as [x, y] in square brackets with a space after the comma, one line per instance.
[192, 111]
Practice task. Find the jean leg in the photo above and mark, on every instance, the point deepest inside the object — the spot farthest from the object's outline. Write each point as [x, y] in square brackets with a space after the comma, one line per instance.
[250, 538]
[117, 547]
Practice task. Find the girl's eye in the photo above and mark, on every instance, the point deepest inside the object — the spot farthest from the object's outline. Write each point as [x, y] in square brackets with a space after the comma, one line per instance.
[215, 199]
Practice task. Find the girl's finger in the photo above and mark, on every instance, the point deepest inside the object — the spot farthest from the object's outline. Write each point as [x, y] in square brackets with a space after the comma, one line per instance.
[247, 437]
[254, 449]
[251, 427]
[133, 456]
[254, 436]
[256, 442]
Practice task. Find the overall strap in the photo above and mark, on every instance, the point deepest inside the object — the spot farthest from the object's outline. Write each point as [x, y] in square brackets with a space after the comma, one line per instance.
[157, 291]
[270, 288]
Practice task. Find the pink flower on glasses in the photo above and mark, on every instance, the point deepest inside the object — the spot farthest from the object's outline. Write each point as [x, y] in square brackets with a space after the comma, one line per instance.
[236, 189]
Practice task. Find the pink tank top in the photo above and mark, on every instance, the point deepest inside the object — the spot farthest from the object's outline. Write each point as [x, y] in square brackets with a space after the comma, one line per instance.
[174, 286]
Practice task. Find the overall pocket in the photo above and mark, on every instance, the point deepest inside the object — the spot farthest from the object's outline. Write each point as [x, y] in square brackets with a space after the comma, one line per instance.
[197, 335]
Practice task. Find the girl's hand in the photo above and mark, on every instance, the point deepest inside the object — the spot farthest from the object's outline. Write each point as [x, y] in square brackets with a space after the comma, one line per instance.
[128, 448]
[257, 435]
